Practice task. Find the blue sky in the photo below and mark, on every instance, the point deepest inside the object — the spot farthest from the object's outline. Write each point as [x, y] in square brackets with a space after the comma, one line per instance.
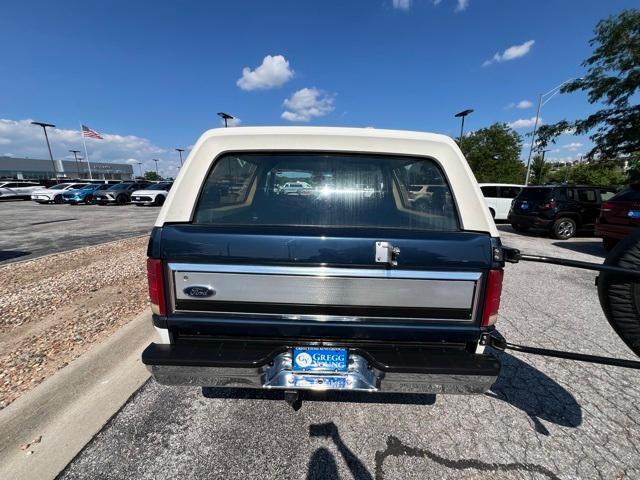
[152, 75]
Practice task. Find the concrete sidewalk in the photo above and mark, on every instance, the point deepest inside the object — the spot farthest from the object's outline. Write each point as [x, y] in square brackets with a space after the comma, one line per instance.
[70, 407]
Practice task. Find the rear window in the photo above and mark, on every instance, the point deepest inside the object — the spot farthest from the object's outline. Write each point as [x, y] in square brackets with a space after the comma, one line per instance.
[334, 190]
[535, 193]
[489, 191]
[631, 194]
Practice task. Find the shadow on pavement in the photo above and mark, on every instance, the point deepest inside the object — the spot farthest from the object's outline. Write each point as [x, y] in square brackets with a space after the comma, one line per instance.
[322, 464]
[590, 248]
[332, 396]
[537, 395]
[11, 254]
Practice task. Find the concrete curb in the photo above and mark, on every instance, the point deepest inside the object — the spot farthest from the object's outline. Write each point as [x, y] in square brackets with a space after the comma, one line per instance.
[73, 405]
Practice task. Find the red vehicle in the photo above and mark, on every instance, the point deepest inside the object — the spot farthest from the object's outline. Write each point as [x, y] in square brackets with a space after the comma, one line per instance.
[619, 216]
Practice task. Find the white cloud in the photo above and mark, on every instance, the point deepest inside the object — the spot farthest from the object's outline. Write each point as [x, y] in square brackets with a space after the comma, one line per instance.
[402, 4]
[306, 104]
[574, 146]
[274, 71]
[524, 123]
[232, 122]
[436, 2]
[524, 104]
[21, 139]
[511, 53]
[462, 5]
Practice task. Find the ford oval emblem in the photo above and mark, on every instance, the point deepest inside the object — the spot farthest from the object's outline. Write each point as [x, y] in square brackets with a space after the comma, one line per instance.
[199, 291]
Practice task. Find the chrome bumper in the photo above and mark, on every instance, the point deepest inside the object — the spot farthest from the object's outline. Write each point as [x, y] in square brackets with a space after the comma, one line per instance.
[361, 376]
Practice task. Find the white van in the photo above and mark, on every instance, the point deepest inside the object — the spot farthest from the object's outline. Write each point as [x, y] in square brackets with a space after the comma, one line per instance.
[499, 197]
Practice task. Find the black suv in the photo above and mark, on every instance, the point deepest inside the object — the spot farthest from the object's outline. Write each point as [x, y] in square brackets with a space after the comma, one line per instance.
[119, 193]
[560, 209]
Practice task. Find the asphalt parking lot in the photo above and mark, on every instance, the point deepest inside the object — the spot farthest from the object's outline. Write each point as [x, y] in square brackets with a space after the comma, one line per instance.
[29, 230]
[544, 418]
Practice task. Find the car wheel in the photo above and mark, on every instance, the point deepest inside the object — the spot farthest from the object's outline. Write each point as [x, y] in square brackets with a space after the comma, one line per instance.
[88, 199]
[564, 228]
[58, 199]
[159, 200]
[519, 228]
[609, 243]
[121, 199]
[620, 294]
[493, 213]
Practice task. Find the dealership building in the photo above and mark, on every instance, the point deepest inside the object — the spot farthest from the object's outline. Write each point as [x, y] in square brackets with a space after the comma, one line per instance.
[36, 169]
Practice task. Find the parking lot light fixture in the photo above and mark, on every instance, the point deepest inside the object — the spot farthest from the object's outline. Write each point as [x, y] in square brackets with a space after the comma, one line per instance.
[140, 165]
[75, 154]
[463, 114]
[225, 117]
[180, 150]
[44, 127]
[156, 160]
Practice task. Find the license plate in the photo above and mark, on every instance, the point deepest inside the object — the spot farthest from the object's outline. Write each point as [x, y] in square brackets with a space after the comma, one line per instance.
[334, 382]
[633, 214]
[311, 359]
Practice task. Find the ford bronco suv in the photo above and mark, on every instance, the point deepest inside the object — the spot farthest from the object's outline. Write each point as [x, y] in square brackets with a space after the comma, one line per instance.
[355, 285]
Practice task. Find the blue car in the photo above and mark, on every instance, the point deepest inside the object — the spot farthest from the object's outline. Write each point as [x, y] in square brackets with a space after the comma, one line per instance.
[85, 194]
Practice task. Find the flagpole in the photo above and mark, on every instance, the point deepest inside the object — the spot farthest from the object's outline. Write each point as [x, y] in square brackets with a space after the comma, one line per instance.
[86, 154]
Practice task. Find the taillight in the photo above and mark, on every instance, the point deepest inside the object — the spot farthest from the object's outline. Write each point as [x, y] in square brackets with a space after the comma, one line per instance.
[606, 207]
[548, 205]
[492, 297]
[155, 279]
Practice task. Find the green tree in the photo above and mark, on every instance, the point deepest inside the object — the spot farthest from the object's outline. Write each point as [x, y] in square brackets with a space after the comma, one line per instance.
[634, 168]
[604, 172]
[612, 80]
[152, 176]
[539, 171]
[493, 154]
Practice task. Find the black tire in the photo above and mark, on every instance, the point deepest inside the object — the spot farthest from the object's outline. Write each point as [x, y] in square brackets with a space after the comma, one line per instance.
[159, 201]
[519, 228]
[609, 243]
[58, 200]
[620, 295]
[88, 200]
[121, 199]
[564, 228]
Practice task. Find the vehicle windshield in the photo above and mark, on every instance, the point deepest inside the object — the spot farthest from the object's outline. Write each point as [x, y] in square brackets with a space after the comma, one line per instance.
[333, 190]
[59, 186]
[630, 194]
[535, 193]
[119, 186]
[158, 186]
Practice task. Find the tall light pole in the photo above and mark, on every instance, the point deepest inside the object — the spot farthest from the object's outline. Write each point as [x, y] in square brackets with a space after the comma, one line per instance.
[140, 165]
[180, 150]
[75, 154]
[462, 114]
[225, 117]
[44, 127]
[541, 102]
[156, 160]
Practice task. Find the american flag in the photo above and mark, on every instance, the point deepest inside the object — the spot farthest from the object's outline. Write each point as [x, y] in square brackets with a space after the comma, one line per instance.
[87, 132]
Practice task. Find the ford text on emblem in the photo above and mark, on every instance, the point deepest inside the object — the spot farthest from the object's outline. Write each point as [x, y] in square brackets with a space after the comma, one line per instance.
[199, 291]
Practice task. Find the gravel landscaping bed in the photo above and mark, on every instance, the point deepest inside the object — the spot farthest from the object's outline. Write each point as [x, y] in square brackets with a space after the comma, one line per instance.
[52, 309]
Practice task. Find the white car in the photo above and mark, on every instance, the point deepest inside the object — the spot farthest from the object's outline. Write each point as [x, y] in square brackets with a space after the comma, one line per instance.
[18, 189]
[54, 193]
[499, 197]
[154, 194]
[295, 188]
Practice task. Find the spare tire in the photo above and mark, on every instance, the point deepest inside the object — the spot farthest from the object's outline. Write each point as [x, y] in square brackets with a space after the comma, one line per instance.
[620, 294]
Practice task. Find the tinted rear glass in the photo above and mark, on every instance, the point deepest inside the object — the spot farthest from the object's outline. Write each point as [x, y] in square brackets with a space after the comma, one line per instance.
[631, 194]
[536, 193]
[335, 190]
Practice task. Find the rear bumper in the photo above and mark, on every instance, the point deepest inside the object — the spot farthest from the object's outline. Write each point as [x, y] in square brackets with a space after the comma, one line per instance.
[531, 221]
[613, 231]
[378, 368]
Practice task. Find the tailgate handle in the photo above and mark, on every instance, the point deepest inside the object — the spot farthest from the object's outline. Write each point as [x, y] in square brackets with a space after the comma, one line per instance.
[387, 253]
